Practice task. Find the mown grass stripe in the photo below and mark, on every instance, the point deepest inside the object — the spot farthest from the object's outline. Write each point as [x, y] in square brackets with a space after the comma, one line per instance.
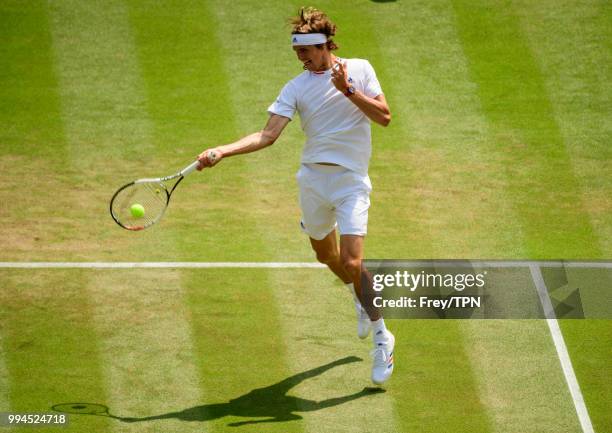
[43, 317]
[108, 138]
[448, 178]
[518, 376]
[29, 118]
[31, 130]
[102, 97]
[319, 331]
[5, 403]
[541, 185]
[572, 44]
[242, 353]
[189, 100]
[525, 135]
[51, 350]
[105, 112]
[147, 348]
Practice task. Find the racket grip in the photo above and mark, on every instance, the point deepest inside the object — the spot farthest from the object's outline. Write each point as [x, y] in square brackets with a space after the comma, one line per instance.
[190, 168]
[212, 156]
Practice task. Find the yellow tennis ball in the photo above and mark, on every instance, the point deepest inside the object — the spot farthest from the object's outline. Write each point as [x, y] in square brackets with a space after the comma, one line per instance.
[137, 210]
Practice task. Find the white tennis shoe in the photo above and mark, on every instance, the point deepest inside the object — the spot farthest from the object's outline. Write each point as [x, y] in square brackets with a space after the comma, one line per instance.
[382, 356]
[364, 325]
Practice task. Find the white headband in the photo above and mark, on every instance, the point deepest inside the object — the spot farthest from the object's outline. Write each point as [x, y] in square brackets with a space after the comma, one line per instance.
[308, 39]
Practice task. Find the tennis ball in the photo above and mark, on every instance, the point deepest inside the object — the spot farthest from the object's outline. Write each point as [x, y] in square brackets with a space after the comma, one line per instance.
[137, 210]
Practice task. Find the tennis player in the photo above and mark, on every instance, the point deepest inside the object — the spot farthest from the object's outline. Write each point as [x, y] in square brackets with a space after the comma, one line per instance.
[336, 100]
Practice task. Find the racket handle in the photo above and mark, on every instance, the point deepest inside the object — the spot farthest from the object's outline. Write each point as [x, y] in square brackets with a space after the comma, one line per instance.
[212, 156]
[190, 168]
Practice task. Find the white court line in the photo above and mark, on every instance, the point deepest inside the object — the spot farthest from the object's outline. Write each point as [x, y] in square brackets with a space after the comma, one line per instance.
[159, 265]
[295, 265]
[564, 358]
[496, 263]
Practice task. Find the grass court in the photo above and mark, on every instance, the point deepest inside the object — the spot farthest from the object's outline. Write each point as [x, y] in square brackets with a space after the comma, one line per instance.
[499, 148]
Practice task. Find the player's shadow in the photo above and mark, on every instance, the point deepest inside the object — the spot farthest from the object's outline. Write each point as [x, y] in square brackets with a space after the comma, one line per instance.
[271, 403]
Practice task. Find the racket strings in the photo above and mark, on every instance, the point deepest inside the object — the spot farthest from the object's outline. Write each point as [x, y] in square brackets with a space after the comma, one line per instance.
[152, 196]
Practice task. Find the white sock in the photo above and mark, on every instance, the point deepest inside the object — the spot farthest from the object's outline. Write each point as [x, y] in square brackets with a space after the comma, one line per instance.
[351, 289]
[380, 330]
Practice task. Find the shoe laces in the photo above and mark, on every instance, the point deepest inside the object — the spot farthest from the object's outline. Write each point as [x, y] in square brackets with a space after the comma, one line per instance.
[379, 354]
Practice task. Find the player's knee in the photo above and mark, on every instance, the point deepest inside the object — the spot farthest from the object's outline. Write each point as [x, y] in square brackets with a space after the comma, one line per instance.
[327, 257]
[351, 265]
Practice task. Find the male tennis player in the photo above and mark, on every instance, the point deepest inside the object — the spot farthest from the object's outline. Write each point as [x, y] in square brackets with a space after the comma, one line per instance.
[336, 100]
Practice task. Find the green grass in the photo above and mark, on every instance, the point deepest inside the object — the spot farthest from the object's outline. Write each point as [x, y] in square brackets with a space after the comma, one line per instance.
[50, 350]
[589, 343]
[498, 148]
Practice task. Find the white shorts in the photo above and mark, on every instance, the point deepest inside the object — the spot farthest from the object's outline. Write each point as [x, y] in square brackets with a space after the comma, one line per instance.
[333, 195]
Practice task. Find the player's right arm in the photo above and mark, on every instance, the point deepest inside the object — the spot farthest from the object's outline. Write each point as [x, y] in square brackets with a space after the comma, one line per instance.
[250, 143]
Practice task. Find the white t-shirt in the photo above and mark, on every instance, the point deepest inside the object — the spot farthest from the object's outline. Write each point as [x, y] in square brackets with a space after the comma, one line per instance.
[336, 130]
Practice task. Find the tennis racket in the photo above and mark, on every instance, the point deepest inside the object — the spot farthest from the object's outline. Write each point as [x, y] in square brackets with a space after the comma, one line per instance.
[141, 203]
[89, 409]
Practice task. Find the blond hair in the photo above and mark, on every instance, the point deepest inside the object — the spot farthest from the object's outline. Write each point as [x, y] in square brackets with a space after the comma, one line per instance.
[312, 20]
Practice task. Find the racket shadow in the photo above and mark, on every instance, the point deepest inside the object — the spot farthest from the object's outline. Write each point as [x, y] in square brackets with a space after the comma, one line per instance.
[270, 403]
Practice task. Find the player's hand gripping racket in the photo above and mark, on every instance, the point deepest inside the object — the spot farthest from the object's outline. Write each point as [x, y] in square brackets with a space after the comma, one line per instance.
[140, 204]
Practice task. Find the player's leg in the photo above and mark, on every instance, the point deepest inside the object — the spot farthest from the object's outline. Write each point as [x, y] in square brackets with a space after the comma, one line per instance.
[319, 219]
[319, 222]
[351, 199]
[352, 203]
[328, 253]
[351, 255]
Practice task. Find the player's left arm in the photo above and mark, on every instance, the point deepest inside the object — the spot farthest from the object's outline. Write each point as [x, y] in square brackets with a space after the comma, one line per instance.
[375, 108]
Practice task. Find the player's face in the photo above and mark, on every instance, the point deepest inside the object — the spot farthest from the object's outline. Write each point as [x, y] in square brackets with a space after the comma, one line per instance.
[313, 58]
